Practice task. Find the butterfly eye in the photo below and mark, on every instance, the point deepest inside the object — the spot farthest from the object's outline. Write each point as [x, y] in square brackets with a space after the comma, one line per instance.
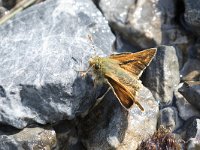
[96, 66]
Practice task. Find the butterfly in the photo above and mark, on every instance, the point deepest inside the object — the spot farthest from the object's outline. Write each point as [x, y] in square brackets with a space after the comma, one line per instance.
[121, 72]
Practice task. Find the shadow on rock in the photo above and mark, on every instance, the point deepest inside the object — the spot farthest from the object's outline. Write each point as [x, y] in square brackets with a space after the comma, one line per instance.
[105, 126]
[53, 102]
[110, 126]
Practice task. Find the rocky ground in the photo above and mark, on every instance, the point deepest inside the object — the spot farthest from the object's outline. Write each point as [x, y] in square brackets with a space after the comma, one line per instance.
[46, 104]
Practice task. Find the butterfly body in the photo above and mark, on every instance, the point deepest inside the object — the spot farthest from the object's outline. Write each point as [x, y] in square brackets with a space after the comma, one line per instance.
[122, 72]
[104, 67]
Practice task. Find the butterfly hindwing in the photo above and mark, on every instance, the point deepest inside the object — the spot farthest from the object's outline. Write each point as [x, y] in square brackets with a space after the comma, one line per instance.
[125, 97]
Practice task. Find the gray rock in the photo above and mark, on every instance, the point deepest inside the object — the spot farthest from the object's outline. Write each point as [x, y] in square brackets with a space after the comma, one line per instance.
[191, 70]
[185, 109]
[115, 11]
[193, 130]
[144, 23]
[8, 143]
[179, 53]
[122, 45]
[192, 15]
[162, 75]
[194, 50]
[41, 50]
[193, 144]
[29, 138]
[67, 136]
[2, 11]
[110, 126]
[191, 91]
[168, 117]
[192, 134]
[8, 4]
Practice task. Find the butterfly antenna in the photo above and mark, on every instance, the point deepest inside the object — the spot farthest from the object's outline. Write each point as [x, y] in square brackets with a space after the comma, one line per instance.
[85, 72]
[92, 43]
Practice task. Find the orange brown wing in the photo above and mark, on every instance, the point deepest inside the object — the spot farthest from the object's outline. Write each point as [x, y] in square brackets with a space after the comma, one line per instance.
[125, 97]
[135, 63]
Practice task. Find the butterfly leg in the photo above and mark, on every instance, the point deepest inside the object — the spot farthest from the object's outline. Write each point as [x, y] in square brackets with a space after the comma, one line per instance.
[83, 74]
[100, 98]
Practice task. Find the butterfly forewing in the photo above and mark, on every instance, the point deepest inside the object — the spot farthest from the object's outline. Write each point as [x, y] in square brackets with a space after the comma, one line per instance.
[135, 63]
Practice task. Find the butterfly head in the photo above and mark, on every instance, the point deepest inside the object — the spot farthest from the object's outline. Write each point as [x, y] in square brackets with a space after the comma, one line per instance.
[95, 62]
